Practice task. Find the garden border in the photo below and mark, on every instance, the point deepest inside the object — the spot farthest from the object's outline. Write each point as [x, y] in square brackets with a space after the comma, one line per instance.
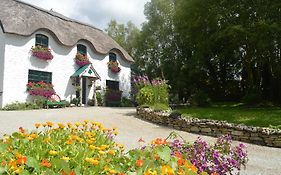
[256, 135]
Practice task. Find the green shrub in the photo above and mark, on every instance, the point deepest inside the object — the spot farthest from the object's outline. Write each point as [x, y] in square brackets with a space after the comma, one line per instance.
[252, 99]
[160, 107]
[125, 102]
[75, 101]
[201, 99]
[39, 101]
[146, 96]
[99, 98]
[20, 106]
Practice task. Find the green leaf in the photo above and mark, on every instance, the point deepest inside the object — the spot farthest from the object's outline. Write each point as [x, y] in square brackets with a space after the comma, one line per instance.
[164, 153]
[24, 172]
[32, 162]
[3, 147]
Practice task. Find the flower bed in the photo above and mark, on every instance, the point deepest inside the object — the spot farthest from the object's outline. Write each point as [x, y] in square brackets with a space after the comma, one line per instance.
[113, 66]
[40, 89]
[42, 53]
[81, 60]
[88, 148]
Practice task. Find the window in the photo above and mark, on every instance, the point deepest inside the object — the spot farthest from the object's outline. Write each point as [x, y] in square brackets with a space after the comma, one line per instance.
[41, 40]
[36, 76]
[113, 85]
[81, 49]
[112, 57]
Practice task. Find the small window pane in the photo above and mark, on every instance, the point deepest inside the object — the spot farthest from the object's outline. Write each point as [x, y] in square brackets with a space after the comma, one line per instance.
[41, 40]
[81, 49]
[112, 57]
[37, 76]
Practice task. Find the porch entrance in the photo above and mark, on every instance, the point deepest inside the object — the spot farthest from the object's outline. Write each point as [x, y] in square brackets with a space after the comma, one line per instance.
[84, 90]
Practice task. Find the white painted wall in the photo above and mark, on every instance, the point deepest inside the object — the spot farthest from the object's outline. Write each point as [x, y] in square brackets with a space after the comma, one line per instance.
[2, 53]
[19, 61]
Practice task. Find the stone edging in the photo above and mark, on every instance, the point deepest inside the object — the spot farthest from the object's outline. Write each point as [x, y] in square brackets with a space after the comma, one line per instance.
[256, 135]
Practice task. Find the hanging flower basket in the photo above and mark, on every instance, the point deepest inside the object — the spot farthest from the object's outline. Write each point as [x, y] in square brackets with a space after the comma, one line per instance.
[113, 66]
[40, 89]
[81, 60]
[42, 53]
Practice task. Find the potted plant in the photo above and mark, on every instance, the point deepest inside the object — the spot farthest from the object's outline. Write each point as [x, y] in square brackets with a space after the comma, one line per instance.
[113, 66]
[43, 53]
[81, 60]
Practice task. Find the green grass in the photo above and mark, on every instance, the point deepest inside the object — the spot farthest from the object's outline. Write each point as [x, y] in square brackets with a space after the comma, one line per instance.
[236, 113]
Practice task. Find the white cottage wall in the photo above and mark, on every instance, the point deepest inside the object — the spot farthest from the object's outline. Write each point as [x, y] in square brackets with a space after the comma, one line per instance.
[19, 61]
[2, 53]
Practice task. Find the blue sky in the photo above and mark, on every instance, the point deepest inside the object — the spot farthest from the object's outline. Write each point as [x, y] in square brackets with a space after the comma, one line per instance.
[97, 12]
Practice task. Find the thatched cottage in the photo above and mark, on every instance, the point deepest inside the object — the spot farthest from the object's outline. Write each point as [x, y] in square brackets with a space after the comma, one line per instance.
[43, 52]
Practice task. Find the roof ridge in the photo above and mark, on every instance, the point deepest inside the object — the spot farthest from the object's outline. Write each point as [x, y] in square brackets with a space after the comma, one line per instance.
[57, 16]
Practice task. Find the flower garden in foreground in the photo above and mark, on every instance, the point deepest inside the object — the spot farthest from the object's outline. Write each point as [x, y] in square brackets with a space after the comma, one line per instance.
[88, 148]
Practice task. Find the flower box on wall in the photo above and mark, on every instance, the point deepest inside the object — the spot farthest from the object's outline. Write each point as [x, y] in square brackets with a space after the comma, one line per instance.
[42, 53]
[40, 89]
[81, 60]
[113, 66]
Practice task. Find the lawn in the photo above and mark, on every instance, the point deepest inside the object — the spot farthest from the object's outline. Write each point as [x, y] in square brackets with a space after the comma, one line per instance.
[236, 113]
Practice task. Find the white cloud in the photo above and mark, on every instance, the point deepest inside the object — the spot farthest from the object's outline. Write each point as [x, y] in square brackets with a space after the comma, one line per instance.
[97, 12]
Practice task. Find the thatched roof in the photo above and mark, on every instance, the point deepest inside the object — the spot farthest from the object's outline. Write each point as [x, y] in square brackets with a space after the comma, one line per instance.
[21, 18]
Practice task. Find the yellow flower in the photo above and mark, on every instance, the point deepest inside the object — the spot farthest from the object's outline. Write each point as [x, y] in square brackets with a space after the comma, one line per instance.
[50, 124]
[112, 171]
[167, 170]
[47, 140]
[77, 124]
[116, 132]
[65, 158]
[18, 171]
[37, 125]
[103, 147]
[34, 135]
[150, 172]
[69, 125]
[111, 152]
[92, 161]
[86, 121]
[69, 142]
[102, 152]
[61, 126]
[53, 152]
[89, 141]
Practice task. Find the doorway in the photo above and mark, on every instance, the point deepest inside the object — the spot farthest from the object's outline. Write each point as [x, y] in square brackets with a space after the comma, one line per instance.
[84, 90]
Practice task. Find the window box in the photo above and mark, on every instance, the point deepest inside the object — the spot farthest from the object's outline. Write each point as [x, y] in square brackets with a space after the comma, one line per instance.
[81, 60]
[113, 66]
[43, 53]
[40, 89]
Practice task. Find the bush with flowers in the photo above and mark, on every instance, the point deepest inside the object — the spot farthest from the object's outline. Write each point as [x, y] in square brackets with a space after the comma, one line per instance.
[40, 89]
[42, 52]
[113, 66]
[89, 148]
[81, 59]
[154, 93]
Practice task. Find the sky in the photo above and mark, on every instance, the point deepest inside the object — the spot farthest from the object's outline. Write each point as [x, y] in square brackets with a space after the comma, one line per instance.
[97, 12]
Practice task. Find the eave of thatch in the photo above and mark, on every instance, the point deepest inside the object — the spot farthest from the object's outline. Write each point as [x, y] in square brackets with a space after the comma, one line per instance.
[24, 19]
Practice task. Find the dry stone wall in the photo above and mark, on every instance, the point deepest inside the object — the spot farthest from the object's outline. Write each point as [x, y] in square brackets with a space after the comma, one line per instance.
[256, 135]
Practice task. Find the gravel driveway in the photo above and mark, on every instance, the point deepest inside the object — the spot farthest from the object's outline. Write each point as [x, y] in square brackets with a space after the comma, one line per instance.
[262, 160]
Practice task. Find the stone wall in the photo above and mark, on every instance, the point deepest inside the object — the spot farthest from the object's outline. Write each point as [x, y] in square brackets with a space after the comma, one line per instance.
[256, 135]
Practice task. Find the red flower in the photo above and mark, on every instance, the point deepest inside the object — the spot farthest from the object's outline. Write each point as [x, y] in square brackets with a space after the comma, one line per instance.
[139, 163]
[46, 163]
[22, 160]
[141, 140]
[21, 129]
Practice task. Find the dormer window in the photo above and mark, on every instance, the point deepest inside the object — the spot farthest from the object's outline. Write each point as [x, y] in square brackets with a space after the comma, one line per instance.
[112, 57]
[82, 49]
[41, 40]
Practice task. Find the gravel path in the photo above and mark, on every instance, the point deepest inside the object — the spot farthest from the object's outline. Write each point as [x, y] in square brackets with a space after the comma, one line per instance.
[262, 160]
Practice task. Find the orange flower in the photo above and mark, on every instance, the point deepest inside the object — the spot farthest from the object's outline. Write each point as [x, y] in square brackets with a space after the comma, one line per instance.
[167, 170]
[46, 163]
[181, 161]
[157, 157]
[178, 154]
[37, 125]
[22, 160]
[139, 163]
[214, 173]
[121, 174]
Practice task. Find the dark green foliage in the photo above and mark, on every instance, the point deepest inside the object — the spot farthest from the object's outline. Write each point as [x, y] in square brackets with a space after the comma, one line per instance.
[227, 49]
[200, 99]
[125, 102]
[75, 101]
[252, 99]
[99, 98]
